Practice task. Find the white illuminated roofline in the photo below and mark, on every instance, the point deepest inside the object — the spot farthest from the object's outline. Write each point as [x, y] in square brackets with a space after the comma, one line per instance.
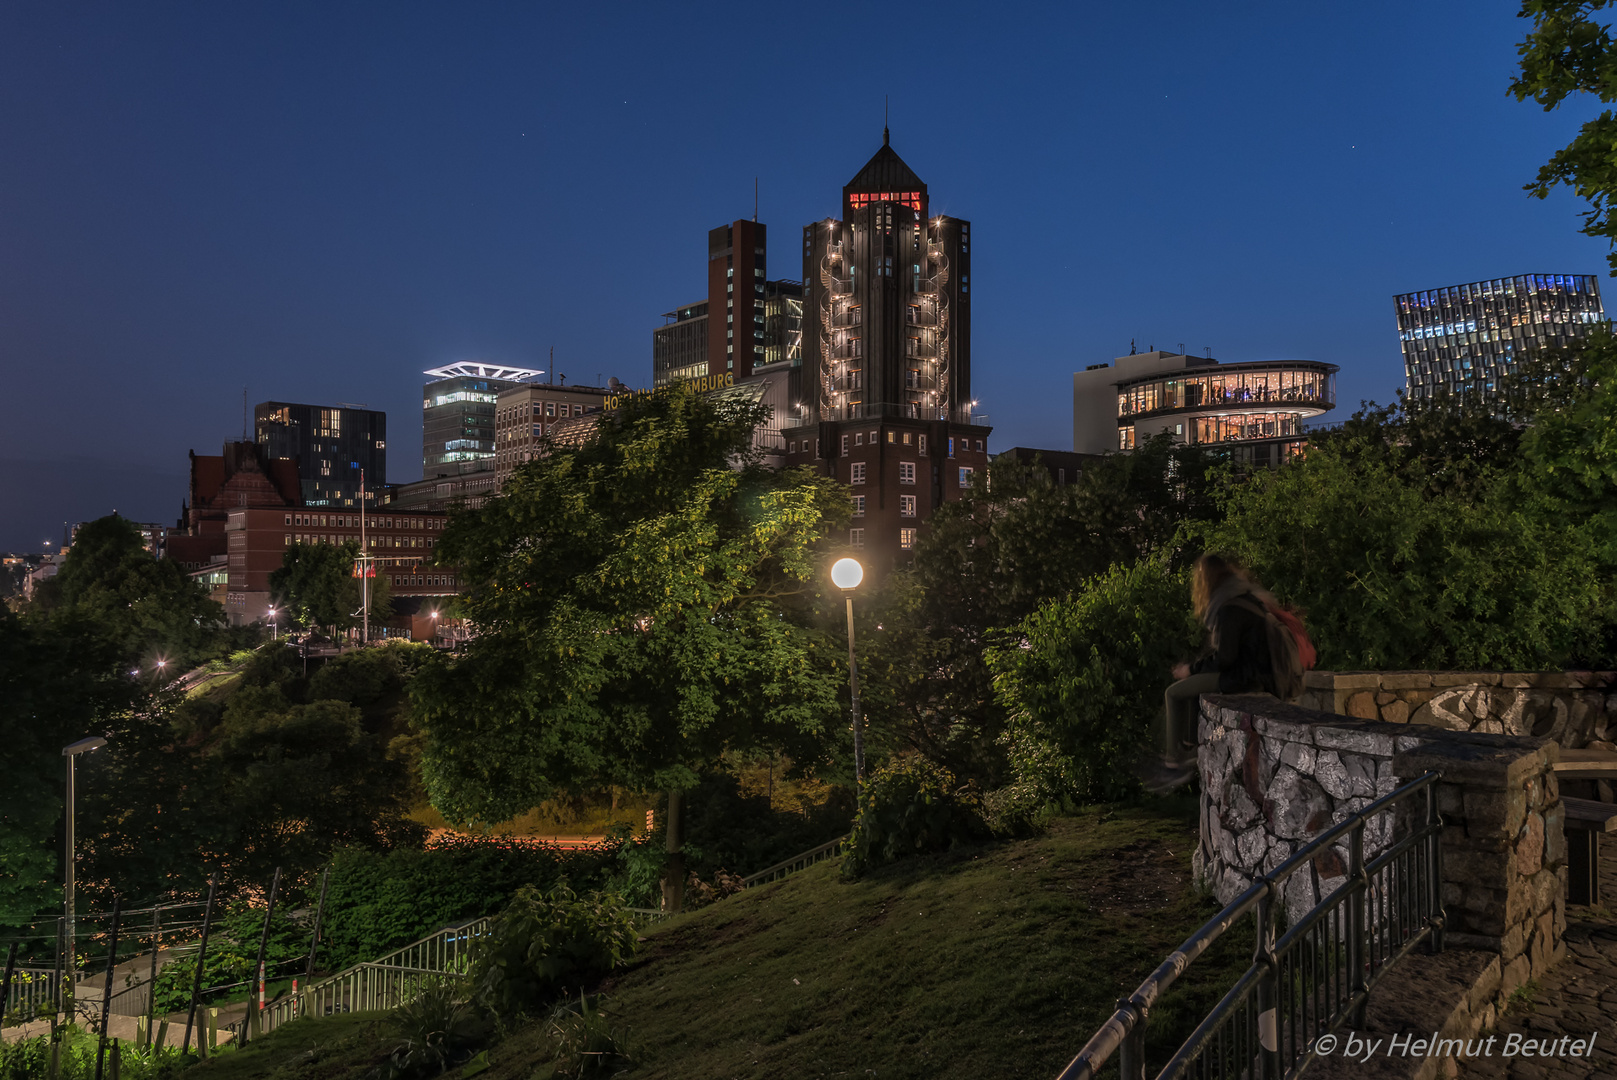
[483, 371]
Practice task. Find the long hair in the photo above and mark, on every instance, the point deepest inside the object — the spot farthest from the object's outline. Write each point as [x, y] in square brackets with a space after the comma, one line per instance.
[1211, 572]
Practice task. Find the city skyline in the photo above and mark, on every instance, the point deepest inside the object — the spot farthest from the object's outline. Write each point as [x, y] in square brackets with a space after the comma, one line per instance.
[317, 207]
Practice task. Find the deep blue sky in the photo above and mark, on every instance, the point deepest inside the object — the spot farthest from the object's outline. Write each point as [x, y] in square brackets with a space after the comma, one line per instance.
[317, 201]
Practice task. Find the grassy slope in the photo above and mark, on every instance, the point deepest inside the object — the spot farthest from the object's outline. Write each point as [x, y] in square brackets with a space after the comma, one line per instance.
[994, 962]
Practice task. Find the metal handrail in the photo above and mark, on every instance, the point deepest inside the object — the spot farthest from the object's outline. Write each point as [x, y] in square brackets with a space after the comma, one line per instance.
[382, 983]
[1318, 973]
[797, 862]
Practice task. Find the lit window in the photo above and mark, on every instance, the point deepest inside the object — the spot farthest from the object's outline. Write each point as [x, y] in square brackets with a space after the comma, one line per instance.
[965, 477]
[906, 506]
[858, 506]
[907, 438]
[856, 538]
[856, 472]
[921, 440]
[906, 472]
[906, 538]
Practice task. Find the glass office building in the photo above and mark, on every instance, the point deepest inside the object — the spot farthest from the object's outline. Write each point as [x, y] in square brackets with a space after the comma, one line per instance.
[1465, 338]
[332, 444]
[457, 416]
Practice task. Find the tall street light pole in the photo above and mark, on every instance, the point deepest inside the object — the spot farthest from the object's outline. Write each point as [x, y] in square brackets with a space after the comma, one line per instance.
[846, 575]
[70, 752]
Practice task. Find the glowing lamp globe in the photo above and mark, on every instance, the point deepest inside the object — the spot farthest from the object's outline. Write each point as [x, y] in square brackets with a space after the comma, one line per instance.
[847, 574]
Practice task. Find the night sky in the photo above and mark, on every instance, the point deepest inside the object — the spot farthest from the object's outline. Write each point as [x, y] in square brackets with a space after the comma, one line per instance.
[315, 202]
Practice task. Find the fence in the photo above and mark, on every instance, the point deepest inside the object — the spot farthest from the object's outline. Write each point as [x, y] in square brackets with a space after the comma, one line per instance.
[1317, 974]
[827, 850]
[379, 984]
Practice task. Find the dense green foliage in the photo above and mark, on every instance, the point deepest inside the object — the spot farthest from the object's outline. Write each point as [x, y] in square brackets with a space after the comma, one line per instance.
[1570, 52]
[29, 1059]
[642, 604]
[316, 586]
[60, 681]
[1393, 574]
[380, 901]
[1014, 540]
[909, 807]
[147, 607]
[1082, 681]
[547, 943]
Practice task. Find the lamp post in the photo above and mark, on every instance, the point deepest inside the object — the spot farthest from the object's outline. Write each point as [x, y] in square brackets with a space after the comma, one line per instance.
[274, 633]
[71, 751]
[846, 574]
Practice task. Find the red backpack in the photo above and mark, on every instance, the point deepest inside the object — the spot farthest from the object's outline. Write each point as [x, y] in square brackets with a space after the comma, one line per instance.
[1294, 622]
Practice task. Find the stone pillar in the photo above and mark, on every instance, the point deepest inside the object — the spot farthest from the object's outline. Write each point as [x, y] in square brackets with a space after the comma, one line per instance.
[1504, 848]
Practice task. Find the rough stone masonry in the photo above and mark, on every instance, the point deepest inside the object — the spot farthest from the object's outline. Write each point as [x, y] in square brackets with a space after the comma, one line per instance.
[1275, 775]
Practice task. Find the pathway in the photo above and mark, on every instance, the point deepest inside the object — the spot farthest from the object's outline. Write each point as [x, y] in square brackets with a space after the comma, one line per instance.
[1577, 998]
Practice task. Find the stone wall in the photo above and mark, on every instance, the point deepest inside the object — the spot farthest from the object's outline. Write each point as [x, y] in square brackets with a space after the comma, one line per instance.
[1577, 709]
[1275, 775]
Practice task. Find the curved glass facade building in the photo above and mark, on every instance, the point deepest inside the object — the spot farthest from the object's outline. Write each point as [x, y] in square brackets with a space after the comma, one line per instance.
[1258, 407]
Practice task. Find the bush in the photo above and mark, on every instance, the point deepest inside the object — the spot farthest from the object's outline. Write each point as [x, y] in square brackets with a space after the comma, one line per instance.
[1082, 682]
[584, 1044]
[910, 807]
[438, 1030]
[29, 1059]
[379, 902]
[546, 943]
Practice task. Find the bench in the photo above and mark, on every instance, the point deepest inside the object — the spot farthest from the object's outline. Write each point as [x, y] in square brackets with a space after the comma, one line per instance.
[1586, 819]
[1587, 765]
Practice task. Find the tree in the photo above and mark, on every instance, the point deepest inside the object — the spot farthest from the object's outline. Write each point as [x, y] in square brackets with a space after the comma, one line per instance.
[61, 679]
[1397, 570]
[1570, 52]
[1015, 540]
[146, 606]
[1081, 681]
[644, 603]
[318, 586]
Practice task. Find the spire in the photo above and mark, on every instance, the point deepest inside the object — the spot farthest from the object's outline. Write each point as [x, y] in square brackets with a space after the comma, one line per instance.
[885, 138]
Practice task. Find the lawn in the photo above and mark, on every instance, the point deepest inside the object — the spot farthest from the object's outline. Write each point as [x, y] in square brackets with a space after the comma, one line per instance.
[994, 962]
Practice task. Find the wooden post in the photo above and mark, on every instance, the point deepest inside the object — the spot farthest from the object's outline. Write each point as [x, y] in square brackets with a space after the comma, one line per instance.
[256, 1004]
[674, 871]
[151, 985]
[106, 992]
[202, 956]
[319, 913]
[5, 987]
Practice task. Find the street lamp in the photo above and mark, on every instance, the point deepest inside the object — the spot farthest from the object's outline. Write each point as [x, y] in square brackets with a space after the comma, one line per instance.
[71, 751]
[846, 574]
[274, 633]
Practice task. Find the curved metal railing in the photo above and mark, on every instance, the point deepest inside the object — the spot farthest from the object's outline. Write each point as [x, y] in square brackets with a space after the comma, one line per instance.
[1317, 974]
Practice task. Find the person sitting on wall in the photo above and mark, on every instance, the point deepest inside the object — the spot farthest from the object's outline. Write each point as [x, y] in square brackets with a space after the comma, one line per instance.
[1235, 660]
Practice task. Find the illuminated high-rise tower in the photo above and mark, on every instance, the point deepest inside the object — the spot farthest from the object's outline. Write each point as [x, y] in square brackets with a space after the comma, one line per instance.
[887, 354]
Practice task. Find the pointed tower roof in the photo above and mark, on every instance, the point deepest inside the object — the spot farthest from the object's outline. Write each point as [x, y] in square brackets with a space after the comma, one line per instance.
[885, 171]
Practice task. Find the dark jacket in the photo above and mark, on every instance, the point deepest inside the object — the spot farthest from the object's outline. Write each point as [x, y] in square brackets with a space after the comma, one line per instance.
[1239, 648]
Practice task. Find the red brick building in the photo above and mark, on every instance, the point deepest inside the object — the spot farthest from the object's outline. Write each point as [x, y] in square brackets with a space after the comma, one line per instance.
[258, 538]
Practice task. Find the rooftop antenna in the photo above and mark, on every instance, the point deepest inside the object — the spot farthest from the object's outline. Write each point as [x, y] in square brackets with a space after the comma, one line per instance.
[884, 132]
[553, 365]
[755, 200]
[1209, 352]
[244, 414]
